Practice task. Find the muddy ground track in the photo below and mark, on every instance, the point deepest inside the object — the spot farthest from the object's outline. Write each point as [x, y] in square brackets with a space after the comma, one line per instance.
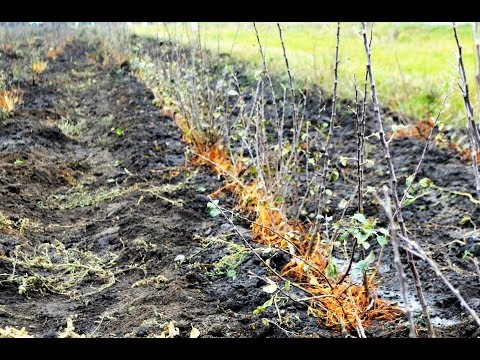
[146, 230]
[156, 210]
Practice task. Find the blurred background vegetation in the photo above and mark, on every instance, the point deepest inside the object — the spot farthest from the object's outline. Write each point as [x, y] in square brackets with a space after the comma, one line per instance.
[414, 63]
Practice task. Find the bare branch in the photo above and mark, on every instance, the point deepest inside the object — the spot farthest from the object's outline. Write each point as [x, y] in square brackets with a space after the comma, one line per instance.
[328, 146]
[419, 252]
[472, 128]
[387, 207]
[393, 183]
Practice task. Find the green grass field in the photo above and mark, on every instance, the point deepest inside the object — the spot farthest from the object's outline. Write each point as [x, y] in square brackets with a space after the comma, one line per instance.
[414, 63]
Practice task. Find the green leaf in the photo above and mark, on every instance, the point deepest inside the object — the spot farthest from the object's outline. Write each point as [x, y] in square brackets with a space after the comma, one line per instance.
[363, 236]
[263, 307]
[233, 93]
[426, 182]
[201, 189]
[119, 132]
[360, 218]
[331, 271]
[382, 240]
[328, 192]
[465, 220]
[270, 288]
[409, 180]
[334, 176]
[212, 209]
[343, 160]
[342, 237]
[343, 204]
[383, 231]
[363, 265]
[232, 274]
[369, 163]
[311, 161]
[287, 285]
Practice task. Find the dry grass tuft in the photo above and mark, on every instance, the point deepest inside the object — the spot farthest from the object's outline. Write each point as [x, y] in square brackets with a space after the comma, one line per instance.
[39, 67]
[9, 99]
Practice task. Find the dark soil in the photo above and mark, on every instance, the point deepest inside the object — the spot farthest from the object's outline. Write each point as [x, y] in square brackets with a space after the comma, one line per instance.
[156, 222]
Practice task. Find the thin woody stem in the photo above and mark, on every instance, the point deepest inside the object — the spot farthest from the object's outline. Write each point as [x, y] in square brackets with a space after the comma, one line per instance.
[393, 184]
[328, 146]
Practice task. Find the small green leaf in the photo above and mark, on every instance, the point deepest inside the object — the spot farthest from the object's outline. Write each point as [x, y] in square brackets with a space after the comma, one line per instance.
[343, 160]
[382, 240]
[311, 161]
[328, 192]
[343, 204]
[360, 218]
[426, 182]
[201, 189]
[270, 288]
[331, 271]
[342, 237]
[334, 176]
[263, 307]
[18, 162]
[233, 93]
[363, 265]
[409, 180]
[212, 209]
[362, 236]
[369, 163]
[466, 219]
[232, 274]
[383, 231]
[119, 132]
[287, 285]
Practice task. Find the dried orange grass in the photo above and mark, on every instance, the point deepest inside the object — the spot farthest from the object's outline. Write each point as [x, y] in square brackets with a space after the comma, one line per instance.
[338, 305]
[421, 130]
[54, 52]
[9, 99]
[8, 47]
